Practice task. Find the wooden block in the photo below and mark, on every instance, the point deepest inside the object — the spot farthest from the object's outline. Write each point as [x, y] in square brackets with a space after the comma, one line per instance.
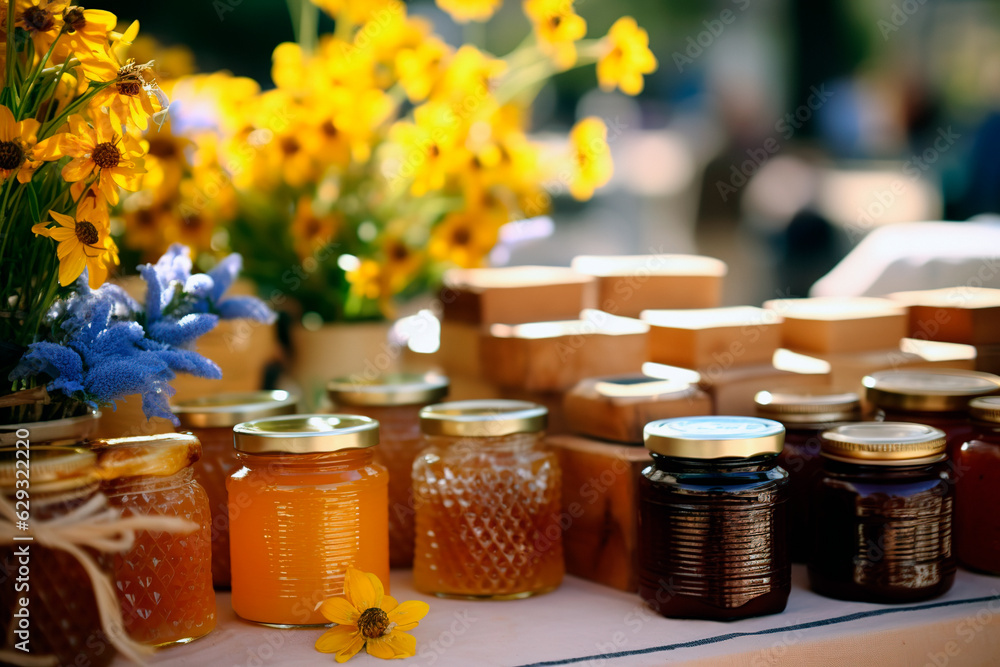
[554, 356]
[840, 324]
[618, 407]
[552, 400]
[968, 315]
[988, 358]
[600, 505]
[516, 294]
[459, 353]
[630, 284]
[716, 338]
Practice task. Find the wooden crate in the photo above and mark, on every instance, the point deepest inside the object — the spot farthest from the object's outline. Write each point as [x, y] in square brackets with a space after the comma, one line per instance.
[713, 338]
[840, 324]
[968, 315]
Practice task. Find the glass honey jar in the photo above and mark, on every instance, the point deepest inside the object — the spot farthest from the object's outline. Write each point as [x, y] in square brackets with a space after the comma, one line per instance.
[211, 419]
[394, 401]
[164, 582]
[713, 519]
[977, 490]
[805, 414]
[306, 502]
[882, 514]
[486, 493]
[64, 618]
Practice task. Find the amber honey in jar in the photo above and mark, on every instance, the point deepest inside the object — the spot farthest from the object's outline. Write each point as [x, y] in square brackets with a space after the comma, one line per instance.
[882, 514]
[394, 401]
[977, 490]
[64, 619]
[164, 582]
[486, 493]
[938, 397]
[211, 419]
[805, 413]
[713, 519]
[306, 502]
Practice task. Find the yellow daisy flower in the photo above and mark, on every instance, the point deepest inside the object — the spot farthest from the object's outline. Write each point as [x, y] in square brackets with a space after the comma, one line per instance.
[369, 619]
[117, 158]
[464, 11]
[463, 238]
[592, 166]
[311, 231]
[42, 20]
[419, 68]
[20, 150]
[83, 244]
[628, 57]
[130, 99]
[557, 28]
[88, 32]
[91, 205]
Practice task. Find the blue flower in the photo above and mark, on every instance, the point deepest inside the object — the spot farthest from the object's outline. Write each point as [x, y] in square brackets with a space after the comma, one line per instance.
[184, 331]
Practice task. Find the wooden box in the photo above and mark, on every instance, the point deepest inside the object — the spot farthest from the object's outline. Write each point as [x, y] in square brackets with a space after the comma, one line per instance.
[968, 315]
[554, 356]
[516, 294]
[600, 511]
[716, 338]
[840, 324]
[988, 358]
[617, 408]
[459, 353]
[628, 285]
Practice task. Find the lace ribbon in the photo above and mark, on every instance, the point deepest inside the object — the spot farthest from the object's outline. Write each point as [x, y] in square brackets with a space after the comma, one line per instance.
[96, 525]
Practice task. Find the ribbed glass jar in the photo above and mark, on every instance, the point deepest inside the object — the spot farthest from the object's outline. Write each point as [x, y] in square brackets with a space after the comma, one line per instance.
[977, 490]
[713, 519]
[486, 492]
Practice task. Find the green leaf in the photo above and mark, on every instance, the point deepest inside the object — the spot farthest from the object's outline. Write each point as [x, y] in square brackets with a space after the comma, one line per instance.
[36, 214]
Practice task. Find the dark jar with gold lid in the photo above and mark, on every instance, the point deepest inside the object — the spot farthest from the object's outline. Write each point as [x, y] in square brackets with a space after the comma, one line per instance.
[805, 414]
[977, 490]
[713, 519]
[64, 617]
[882, 514]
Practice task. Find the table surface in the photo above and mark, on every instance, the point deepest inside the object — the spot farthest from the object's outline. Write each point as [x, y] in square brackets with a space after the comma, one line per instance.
[583, 623]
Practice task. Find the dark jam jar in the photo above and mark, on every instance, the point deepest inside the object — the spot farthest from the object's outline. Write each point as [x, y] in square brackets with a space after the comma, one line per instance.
[977, 490]
[712, 519]
[805, 414]
[938, 397]
[882, 514]
[64, 618]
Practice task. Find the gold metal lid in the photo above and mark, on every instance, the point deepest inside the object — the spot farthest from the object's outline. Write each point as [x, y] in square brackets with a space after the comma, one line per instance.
[640, 386]
[985, 409]
[929, 389]
[157, 455]
[806, 406]
[391, 389]
[714, 437]
[228, 410]
[884, 443]
[51, 468]
[483, 419]
[305, 434]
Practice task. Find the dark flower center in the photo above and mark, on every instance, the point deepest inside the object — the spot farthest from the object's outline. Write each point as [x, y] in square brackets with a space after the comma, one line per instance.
[555, 21]
[74, 19]
[11, 155]
[106, 155]
[87, 233]
[313, 228]
[434, 150]
[162, 148]
[329, 129]
[461, 236]
[38, 19]
[373, 622]
[129, 87]
[145, 218]
[290, 145]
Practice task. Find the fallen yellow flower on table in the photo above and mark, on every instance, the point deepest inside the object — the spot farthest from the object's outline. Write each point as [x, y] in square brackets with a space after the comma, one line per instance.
[370, 619]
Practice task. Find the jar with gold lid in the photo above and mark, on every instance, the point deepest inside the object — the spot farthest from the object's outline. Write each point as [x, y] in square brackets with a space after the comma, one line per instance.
[394, 401]
[977, 489]
[805, 413]
[486, 493]
[713, 518]
[938, 397]
[211, 419]
[64, 618]
[882, 514]
[164, 582]
[306, 502]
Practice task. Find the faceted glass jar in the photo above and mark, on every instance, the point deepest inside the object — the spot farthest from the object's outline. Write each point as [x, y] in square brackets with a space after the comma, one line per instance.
[394, 401]
[65, 621]
[299, 518]
[164, 581]
[486, 492]
[211, 419]
[977, 490]
[713, 519]
[882, 527]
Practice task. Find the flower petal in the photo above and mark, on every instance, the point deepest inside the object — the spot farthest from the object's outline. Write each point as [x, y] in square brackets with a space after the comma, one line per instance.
[77, 170]
[359, 589]
[352, 649]
[388, 603]
[336, 639]
[379, 590]
[396, 644]
[71, 267]
[408, 614]
[6, 124]
[339, 611]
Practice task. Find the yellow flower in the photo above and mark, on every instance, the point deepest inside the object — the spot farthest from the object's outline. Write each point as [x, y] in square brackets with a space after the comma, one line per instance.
[311, 231]
[366, 283]
[464, 238]
[117, 158]
[400, 263]
[92, 205]
[428, 147]
[627, 58]
[557, 28]
[87, 34]
[419, 68]
[357, 11]
[82, 245]
[40, 18]
[464, 11]
[592, 166]
[369, 619]
[130, 99]
[20, 150]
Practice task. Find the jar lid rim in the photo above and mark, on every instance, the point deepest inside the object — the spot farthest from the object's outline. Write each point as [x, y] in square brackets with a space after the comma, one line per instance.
[928, 389]
[306, 434]
[714, 437]
[389, 389]
[156, 455]
[483, 418]
[898, 443]
[232, 408]
[48, 464]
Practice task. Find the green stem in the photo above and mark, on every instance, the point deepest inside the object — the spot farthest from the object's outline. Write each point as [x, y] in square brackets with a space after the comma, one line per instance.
[9, 78]
[56, 123]
[34, 77]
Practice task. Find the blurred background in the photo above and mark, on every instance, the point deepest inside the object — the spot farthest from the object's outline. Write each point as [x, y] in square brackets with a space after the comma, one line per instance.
[775, 134]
